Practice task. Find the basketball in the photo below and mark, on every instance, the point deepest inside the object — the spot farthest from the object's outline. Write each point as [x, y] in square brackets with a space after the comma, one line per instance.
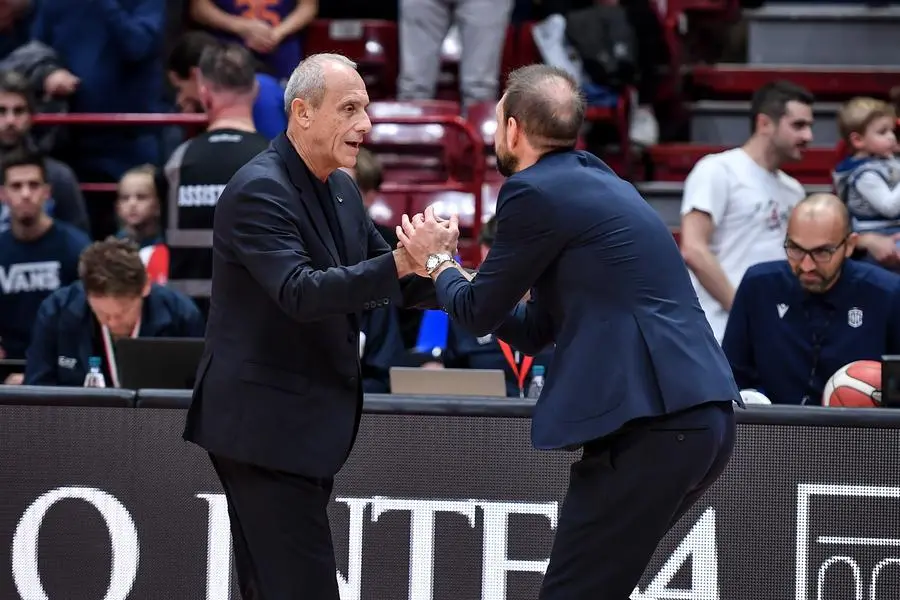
[855, 385]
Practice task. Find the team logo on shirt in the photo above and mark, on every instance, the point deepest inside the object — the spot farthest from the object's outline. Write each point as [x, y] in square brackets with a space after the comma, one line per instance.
[854, 317]
[485, 339]
[30, 277]
[782, 310]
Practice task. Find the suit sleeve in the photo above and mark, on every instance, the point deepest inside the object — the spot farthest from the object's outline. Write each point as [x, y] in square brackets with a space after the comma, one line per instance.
[41, 356]
[417, 292]
[524, 246]
[266, 241]
[528, 328]
[738, 340]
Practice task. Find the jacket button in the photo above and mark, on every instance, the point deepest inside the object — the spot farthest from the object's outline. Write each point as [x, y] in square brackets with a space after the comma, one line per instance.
[351, 381]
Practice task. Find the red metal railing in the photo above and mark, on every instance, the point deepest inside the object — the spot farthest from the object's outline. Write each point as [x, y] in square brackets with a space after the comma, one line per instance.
[195, 123]
[478, 168]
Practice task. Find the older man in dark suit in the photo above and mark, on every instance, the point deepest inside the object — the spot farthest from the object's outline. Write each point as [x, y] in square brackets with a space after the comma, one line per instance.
[279, 392]
[637, 379]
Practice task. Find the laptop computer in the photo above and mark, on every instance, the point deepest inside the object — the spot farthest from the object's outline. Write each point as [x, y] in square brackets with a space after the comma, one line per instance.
[447, 382]
[158, 363]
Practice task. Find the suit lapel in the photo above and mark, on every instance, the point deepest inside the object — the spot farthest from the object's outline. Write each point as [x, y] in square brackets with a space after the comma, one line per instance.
[300, 178]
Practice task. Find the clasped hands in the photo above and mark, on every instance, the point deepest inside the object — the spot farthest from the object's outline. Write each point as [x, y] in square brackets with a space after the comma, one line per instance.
[424, 235]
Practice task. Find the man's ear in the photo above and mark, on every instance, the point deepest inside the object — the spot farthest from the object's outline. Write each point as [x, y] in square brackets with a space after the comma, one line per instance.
[302, 111]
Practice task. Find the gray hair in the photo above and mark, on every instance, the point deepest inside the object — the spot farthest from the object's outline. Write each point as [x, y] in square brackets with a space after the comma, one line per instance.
[308, 79]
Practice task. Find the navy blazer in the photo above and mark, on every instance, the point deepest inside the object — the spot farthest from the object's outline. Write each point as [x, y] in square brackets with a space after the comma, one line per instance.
[279, 384]
[62, 338]
[609, 287]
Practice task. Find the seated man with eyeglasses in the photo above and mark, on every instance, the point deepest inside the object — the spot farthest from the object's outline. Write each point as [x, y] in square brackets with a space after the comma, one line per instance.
[795, 322]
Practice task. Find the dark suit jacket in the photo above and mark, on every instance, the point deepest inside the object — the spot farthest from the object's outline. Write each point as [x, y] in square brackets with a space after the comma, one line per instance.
[63, 338]
[279, 383]
[610, 288]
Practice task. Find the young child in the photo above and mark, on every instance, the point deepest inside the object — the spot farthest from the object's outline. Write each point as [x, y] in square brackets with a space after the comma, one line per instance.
[867, 180]
[138, 209]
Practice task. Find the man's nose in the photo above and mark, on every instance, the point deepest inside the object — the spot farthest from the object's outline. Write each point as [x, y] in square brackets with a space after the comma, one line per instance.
[365, 124]
[808, 264]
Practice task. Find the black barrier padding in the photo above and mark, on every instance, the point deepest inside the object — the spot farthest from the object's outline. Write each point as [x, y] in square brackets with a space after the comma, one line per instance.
[177, 399]
[66, 396]
[801, 512]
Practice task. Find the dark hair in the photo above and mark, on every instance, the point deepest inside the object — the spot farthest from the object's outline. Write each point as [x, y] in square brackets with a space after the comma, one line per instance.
[488, 232]
[772, 99]
[228, 67]
[13, 82]
[112, 267]
[369, 175]
[187, 51]
[22, 156]
[547, 103]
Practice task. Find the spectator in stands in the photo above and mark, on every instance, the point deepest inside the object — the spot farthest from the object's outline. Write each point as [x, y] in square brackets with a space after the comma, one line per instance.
[736, 203]
[138, 207]
[199, 168]
[795, 322]
[867, 179]
[424, 25]
[37, 253]
[113, 48]
[138, 210]
[269, 29]
[183, 72]
[16, 108]
[15, 24]
[465, 351]
[113, 300]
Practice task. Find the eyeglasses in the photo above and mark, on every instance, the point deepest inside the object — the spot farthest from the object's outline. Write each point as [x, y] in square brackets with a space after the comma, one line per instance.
[822, 254]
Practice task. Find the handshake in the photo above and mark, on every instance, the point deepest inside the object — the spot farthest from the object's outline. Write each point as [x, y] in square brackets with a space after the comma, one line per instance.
[422, 236]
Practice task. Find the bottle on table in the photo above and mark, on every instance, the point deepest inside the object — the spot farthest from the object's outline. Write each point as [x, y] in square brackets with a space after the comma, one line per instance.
[94, 377]
[537, 382]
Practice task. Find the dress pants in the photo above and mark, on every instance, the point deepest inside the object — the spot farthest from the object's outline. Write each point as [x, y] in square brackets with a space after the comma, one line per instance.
[280, 532]
[625, 494]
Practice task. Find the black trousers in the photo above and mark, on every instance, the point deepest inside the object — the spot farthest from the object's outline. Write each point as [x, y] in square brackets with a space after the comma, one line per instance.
[625, 494]
[280, 532]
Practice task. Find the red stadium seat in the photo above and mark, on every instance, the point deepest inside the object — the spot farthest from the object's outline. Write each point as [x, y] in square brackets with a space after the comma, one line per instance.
[413, 152]
[388, 207]
[372, 44]
[454, 202]
[483, 117]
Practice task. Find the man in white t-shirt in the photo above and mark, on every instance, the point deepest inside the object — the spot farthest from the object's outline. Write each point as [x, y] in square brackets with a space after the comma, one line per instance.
[736, 203]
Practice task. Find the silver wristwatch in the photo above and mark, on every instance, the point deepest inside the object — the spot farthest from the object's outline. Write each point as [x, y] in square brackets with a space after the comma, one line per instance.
[436, 260]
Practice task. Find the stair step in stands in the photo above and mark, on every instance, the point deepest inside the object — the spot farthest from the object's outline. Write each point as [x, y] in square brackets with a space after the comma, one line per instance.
[728, 123]
[823, 34]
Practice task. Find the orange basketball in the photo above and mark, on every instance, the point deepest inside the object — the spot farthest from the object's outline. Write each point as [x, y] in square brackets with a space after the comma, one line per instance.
[856, 385]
